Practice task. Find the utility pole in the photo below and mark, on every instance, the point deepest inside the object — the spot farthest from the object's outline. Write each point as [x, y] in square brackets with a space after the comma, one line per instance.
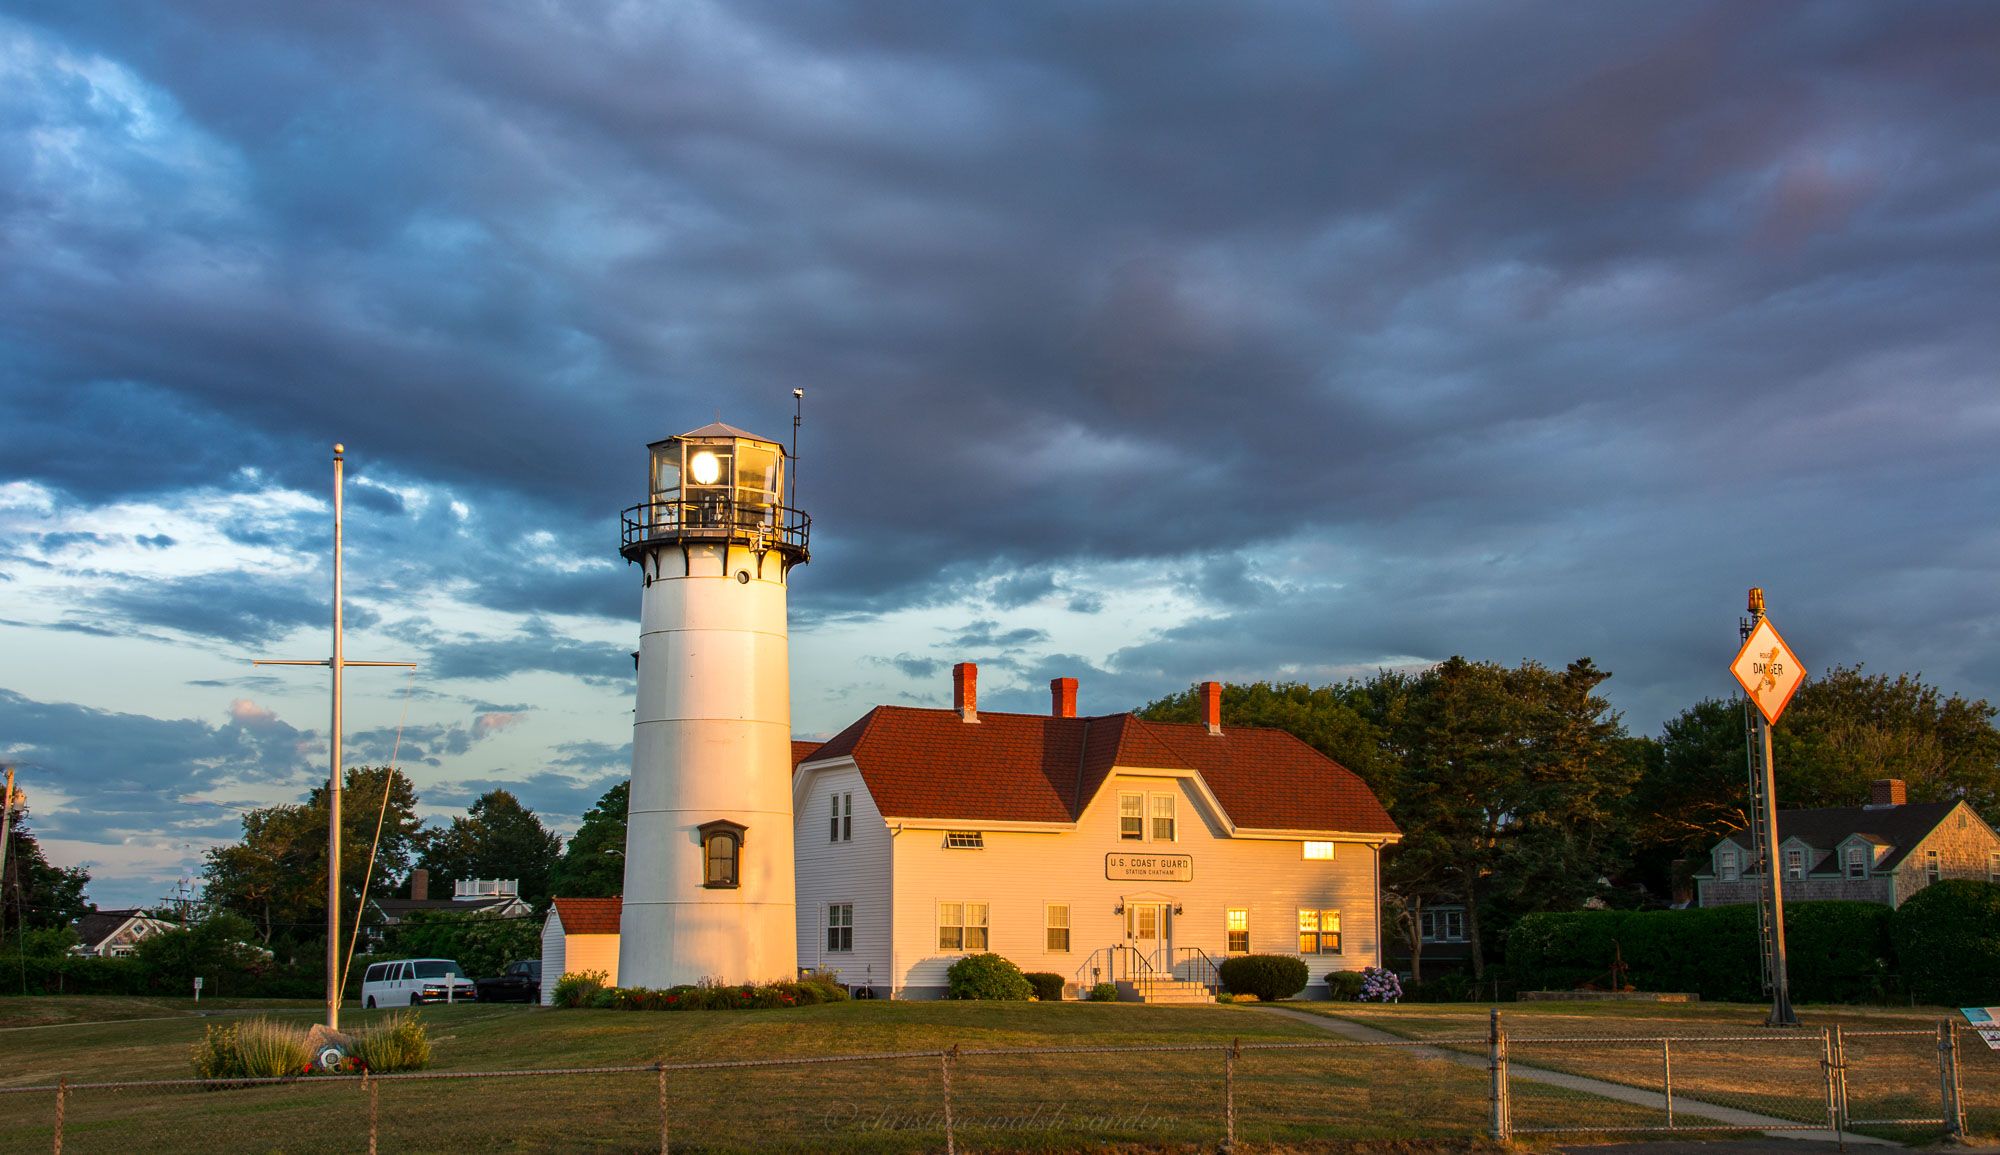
[338, 664]
[1769, 673]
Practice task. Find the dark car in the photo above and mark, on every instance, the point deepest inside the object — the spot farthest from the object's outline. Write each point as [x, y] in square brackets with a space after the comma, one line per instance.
[520, 982]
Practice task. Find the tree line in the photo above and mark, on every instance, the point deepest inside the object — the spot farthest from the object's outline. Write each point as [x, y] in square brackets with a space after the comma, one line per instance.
[1519, 789]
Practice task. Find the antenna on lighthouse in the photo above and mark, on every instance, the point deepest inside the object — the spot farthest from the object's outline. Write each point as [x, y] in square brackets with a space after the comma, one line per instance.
[798, 411]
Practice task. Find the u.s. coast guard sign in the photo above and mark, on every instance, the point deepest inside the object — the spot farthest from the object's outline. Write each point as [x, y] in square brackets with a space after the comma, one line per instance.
[1150, 867]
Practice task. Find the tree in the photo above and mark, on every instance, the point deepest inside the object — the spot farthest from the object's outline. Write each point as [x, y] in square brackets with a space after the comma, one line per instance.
[497, 838]
[1324, 717]
[276, 875]
[34, 894]
[593, 864]
[481, 944]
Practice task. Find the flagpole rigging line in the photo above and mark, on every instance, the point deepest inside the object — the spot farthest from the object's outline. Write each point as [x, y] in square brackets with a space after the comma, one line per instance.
[368, 876]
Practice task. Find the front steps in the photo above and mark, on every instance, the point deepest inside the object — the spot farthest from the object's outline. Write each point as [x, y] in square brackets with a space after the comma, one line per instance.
[1163, 990]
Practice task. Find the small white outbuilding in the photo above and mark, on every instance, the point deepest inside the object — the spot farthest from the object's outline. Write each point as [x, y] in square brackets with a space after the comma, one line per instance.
[580, 934]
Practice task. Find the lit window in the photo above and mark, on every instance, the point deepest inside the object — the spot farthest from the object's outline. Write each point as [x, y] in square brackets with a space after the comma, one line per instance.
[1795, 863]
[721, 853]
[1236, 928]
[964, 840]
[1132, 816]
[840, 926]
[1163, 818]
[1932, 868]
[1319, 850]
[1444, 924]
[1319, 932]
[1055, 918]
[962, 926]
[1857, 862]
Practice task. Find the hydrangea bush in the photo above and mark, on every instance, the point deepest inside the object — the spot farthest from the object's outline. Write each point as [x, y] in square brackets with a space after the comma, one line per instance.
[1380, 986]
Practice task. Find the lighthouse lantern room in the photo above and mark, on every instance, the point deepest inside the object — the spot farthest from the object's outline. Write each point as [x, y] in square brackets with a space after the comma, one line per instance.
[708, 849]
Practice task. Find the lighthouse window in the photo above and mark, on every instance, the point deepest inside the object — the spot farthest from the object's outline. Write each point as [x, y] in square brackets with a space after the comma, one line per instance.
[756, 479]
[721, 854]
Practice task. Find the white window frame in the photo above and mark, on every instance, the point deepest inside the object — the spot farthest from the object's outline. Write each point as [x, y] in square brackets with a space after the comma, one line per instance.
[1230, 917]
[1316, 851]
[1443, 924]
[970, 917]
[840, 826]
[1131, 806]
[1933, 866]
[1795, 863]
[1052, 922]
[833, 926]
[1993, 866]
[1857, 862]
[1729, 865]
[1155, 803]
[1318, 918]
[965, 840]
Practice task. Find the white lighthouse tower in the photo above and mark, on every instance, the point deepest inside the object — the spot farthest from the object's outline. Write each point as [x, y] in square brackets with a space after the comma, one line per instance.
[708, 847]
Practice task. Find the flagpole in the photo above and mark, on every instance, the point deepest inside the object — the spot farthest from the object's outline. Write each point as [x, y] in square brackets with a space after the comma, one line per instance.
[333, 778]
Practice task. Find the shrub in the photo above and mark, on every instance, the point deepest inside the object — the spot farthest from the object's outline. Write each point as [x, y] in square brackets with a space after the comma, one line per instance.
[1104, 993]
[605, 999]
[1226, 997]
[1048, 985]
[1344, 986]
[1268, 976]
[987, 976]
[256, 1048]
[578, 988]
[1947, 937]
[397, 1043]
[1380, 986]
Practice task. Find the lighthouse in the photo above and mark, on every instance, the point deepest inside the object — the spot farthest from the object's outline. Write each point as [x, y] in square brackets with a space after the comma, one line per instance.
[709, 887]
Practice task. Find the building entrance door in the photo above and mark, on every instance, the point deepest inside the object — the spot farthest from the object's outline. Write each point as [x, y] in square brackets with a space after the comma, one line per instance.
[1149, 926]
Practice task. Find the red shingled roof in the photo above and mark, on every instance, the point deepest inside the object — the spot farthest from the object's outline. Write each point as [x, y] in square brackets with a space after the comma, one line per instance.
[1037, 768]
[801, 751]
[588, 915]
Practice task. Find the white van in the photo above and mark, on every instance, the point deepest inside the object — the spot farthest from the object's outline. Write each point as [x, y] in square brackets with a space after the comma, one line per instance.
[414, 981]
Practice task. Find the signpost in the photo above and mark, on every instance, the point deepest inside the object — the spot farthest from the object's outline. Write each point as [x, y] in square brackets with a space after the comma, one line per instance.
[197, 990]
[1769, 673]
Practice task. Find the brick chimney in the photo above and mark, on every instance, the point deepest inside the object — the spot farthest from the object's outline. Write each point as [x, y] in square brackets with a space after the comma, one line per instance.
[420, 884]
[965, 691]
[1211, 706]
[1887, 792]
[1062, 697]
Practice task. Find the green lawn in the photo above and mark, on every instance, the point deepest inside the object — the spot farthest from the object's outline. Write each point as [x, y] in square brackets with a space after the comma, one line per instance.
[1165, 1100]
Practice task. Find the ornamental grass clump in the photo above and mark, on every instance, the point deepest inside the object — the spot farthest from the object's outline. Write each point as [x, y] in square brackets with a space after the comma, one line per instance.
[258, 1048]
[397, 1043]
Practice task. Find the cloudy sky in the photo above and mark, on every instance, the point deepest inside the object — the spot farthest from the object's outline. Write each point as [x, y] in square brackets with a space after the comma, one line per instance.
[1145, 343]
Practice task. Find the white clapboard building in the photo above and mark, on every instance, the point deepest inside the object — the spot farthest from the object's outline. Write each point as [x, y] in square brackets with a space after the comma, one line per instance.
[1104, 849]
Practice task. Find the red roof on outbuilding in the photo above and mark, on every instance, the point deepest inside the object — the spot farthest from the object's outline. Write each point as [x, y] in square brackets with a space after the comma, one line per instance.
[1038, 768]
[588, 915]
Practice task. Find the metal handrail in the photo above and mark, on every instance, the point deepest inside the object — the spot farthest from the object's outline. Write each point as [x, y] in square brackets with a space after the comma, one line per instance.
[760, 525]
[1209, 973]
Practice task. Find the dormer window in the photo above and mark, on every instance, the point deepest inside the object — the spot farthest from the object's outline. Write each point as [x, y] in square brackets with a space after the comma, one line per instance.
[1857, 862]
[721, 854]
[1795, 862]
[1730, 866]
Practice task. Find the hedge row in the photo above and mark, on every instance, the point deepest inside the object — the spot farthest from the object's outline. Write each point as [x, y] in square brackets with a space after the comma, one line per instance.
[1944, 942]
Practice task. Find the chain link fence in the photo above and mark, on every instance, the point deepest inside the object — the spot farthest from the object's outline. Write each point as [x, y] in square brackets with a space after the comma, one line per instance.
[1889, 1083]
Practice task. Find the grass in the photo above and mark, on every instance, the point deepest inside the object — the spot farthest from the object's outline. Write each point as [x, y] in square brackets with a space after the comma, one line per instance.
[1889, 1076]
[1042, 1102]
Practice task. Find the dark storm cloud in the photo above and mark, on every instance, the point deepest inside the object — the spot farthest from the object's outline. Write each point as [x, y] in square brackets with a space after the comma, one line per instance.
[240, 608]
[535, 647]
[128, 774]
[1492, 312]
[559, 800]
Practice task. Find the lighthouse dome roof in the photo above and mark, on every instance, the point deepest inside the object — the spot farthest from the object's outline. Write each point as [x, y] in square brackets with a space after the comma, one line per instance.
[718, 429]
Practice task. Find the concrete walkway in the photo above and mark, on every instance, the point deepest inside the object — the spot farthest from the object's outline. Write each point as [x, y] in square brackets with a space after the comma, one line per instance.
[1684, 1106]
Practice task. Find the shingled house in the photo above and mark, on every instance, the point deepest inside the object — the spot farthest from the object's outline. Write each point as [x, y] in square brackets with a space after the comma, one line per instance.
[1104, 849]
[1883, 852]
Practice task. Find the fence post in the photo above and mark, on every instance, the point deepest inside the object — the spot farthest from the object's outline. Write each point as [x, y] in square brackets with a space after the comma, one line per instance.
[62, 1100]
[374, 1087]
[1229, 1093]
[1829, 1066]
[1948, 1086]
[665, 1140]
[1502, 1128]
[1667, 1077]
[945, 1060]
